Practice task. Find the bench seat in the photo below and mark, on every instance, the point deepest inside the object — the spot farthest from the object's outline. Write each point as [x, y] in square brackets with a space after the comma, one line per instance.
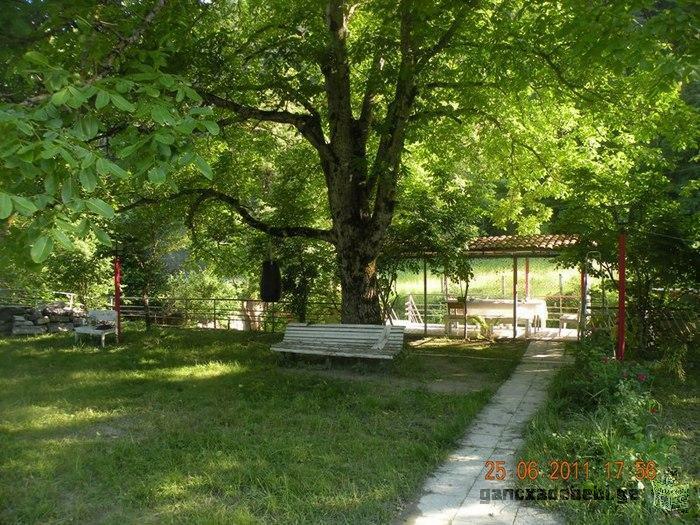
[95, 316]
[364, 341]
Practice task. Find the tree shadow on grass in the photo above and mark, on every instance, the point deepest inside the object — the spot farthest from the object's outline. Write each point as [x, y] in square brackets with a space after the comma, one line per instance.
[251, 441]
[139, 350]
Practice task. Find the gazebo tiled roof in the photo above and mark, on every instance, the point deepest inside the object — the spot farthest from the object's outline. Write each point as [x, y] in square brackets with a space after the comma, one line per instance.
[507, 244]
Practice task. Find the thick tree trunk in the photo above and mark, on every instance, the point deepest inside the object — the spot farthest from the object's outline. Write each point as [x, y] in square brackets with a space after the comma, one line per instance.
[358, 277]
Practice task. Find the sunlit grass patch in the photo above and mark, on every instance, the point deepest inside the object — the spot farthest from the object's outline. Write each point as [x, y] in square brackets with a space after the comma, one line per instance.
[204, 426]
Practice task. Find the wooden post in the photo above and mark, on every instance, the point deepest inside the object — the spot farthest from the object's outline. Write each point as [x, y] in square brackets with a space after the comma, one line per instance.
[561, 295]
[503, 285]
[515, 297]
[425, 296]
[527, 278]
[622, 290]
[273, 318]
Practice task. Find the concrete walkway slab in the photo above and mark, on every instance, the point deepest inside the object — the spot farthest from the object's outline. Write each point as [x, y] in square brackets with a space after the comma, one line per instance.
[457, 492]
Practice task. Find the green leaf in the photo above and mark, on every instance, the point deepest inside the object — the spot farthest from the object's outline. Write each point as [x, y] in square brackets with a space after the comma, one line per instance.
[60, 97]
[88, 160]
[24, 205]
[102, 166]
[76, 99]
[192, 95]
[42, 200]
[36, 58]
[101, 100]
[202, 110]
[65, 226]
[50, 184]
[62, 238]
[82, 227]
[164, 138]
[156, 175]
[67, 157]
[5, 206]
[204, 167]
[88, 91]
[161, 115]
[88, 127]
[106, 167]
[212, 127]
[50, 150]
[67, 191]
[102, 235]
[88, 180]
[124, 85]
[186, 126]
[100, 207]
[121, 103]
[41, 249]
[129, 150]
[24, 127]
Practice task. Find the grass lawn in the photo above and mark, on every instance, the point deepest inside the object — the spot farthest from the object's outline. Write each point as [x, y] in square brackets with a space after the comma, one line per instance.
[204, 426]
[544, 279]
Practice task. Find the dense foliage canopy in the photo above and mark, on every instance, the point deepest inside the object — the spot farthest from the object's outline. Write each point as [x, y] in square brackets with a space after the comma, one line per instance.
[364, 128]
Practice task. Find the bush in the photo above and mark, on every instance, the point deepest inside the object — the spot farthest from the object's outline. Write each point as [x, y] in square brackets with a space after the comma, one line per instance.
[603, 411]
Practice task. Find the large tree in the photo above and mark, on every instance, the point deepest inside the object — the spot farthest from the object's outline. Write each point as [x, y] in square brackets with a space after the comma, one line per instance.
[357, 81]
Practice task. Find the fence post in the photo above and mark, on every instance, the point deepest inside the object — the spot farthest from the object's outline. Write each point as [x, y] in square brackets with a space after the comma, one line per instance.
[147, 311]
[561, 296]
[214, 314]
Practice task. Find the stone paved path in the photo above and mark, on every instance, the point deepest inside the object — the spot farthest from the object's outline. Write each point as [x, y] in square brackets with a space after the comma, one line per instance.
[451, 496]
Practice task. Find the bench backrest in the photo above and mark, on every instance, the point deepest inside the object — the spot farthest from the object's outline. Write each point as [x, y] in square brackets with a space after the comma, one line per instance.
[356, 335]
[97, 316]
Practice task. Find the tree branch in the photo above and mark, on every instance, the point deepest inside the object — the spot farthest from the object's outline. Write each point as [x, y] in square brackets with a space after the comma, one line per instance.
[336, 72]
[556, 69]
[121, 46]
[308, 125]
[444, 39]
[245, 214]
[116, 52]
[366, 109]
[385, 169]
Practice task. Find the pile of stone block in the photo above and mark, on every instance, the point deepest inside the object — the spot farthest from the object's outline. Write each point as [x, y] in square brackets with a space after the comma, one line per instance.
[50, 318]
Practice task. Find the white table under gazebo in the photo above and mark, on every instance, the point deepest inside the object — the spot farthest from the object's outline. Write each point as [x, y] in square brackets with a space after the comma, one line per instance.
[532, 311]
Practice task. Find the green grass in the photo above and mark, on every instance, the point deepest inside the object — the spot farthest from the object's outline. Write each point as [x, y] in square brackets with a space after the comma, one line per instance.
[544, 279]
[204, 426]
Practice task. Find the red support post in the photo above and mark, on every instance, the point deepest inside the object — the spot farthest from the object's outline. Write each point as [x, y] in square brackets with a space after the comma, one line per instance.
[515, 297]
[118, 295]
[620, 348]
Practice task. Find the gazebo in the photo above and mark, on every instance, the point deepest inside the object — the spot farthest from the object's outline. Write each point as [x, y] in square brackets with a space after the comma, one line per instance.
[515, 247]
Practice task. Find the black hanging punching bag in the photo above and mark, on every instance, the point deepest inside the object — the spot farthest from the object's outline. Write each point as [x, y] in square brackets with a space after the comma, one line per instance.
[270, 282]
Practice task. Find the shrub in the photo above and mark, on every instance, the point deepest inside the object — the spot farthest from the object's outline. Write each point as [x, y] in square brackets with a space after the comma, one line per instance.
[602, 411]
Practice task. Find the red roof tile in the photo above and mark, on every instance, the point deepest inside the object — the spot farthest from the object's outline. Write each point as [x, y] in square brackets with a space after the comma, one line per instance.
[522, 243]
